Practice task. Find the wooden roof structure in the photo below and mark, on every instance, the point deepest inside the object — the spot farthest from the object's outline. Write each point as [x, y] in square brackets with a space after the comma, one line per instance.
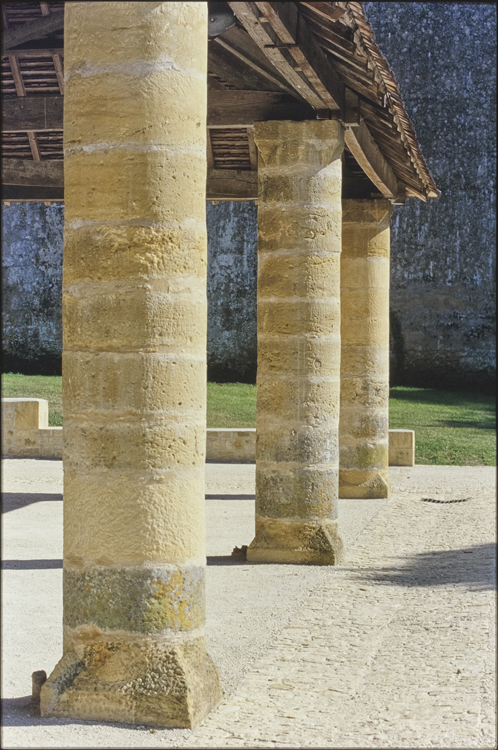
[266, 61]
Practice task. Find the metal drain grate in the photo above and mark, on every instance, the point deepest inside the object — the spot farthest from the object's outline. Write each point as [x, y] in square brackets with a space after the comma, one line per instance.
[444, 502]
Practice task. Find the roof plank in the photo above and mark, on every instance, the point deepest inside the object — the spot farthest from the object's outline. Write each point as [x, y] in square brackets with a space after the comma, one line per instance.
[268, 41]
[370, 158]
[292, 29]
[32, 30]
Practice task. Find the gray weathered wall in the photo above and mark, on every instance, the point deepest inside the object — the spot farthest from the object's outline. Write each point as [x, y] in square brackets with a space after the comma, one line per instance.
[231, 289]
[443, 252]
[32, 237]
[32, 288]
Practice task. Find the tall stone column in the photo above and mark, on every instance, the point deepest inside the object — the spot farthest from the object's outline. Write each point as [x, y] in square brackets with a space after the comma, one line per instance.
[364, 422]
[134, 367]
[299, 246]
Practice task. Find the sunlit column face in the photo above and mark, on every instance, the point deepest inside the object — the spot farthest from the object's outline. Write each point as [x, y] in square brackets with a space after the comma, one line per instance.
[299, 246]
[134, 364]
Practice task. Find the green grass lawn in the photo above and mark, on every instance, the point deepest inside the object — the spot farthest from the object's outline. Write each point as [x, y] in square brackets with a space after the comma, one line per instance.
[451, 428]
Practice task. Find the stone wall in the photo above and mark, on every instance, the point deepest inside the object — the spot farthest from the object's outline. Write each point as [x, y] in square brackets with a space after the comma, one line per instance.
[32, 288]
[32, 235]
[443, 252]
[231, 289]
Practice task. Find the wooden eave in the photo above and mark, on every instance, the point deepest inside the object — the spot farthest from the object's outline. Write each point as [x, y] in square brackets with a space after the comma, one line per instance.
[282, 60]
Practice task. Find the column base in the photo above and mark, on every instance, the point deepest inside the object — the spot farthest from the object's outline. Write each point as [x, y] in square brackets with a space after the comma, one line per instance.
[294, 541]
[364, 484]
[136, 681]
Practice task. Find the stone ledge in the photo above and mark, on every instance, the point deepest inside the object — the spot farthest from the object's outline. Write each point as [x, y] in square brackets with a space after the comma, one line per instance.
[25, 433]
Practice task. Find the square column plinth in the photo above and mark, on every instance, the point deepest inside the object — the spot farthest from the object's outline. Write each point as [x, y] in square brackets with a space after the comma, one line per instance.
[364, 422]
[134, 367]
[299, 246]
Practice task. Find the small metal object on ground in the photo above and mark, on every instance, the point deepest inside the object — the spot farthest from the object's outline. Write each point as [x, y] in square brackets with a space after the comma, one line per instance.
[444, 502]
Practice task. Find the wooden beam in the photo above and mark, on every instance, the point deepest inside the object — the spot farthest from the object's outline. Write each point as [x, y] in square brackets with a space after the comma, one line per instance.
[59, 72]
[268, 41]
[244, 108]
[33, 52]
[48, 173]
[33, 143]
[292, 29]
[231, 184]
[43, 176]
[225, 109]
[247, 60]
[32, 113]
[370, 159]
[16, 74]
[253, 151]
[32, 30]
[209, 151]
[21, 193]
[326, 10]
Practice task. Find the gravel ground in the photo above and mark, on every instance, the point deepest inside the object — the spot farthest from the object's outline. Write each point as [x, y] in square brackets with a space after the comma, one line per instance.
[364, 654]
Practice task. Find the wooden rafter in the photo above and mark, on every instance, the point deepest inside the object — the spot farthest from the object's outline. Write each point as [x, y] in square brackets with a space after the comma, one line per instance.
[37, 29]
[222, 184]
[268, 41]
[59, 72]
[225, 109]
[253, 151]
[292, 29]
[247, 60]
[209, 151]
[369, 157]
[34, 145]
[16, 74]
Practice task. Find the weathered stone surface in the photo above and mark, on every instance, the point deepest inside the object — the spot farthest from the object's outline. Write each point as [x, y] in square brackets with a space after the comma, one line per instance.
[299, 224]
[134, 391]
[364, 417]
[444, 252]
[231, 290]
[134, 681]
[32, 288]
[296, 542]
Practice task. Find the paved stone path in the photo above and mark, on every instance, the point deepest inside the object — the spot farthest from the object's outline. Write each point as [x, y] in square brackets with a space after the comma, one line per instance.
[393, 649]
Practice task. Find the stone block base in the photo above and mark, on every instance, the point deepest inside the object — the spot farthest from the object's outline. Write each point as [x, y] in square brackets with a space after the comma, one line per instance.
[142, 681]
[364, 484]
[295, 541]
[401, 448]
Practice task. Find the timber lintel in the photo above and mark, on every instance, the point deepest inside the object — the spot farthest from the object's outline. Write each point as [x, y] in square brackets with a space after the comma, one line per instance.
[42, 180]
[36, 29]
[371, 160]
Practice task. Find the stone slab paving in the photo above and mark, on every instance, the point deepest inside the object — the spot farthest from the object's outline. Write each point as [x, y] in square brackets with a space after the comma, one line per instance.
[396, 647]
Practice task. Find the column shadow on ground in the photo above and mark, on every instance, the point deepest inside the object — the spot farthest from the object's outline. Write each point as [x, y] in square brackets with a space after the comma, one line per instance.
[18, 712]
[230, 497]
[473, 567]
[31, 564]
[18, 500]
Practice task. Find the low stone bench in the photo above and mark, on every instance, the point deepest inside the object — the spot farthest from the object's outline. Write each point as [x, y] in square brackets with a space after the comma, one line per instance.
[25, 430]
[26, 434]
[401, 448]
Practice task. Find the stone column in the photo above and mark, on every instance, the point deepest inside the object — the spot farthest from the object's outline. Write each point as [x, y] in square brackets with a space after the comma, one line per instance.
[364, 422]
[134, 367]
[299, 246]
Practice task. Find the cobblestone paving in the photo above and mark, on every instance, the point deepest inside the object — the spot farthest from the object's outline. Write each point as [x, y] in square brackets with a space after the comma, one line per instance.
[393, 649]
